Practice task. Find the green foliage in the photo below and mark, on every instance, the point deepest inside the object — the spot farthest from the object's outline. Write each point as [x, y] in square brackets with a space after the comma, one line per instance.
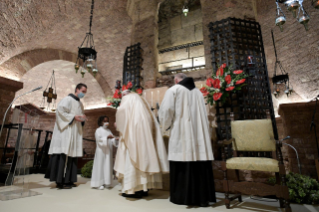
[87, 169]
[302, 189]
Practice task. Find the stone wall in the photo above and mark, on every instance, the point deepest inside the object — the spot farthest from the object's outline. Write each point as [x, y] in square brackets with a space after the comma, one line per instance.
[297, 49]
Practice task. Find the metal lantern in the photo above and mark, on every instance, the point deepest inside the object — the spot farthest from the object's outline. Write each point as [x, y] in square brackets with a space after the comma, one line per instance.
[292, 7]
[49, 94]
[280, 18]
[304, 19]
[315, 4]
[279, 79]
[87, 54]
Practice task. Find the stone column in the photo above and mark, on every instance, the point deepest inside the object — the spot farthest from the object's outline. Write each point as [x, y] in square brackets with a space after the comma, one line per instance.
[145, 31]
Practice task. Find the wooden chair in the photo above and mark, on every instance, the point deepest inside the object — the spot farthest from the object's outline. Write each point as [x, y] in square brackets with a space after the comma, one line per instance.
[256, 137]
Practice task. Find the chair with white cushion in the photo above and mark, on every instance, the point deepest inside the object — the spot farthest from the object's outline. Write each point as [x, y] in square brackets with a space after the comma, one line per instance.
[257, 138]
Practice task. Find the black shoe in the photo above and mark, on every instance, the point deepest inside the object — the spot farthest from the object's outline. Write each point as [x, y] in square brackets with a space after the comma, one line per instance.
[136, 195]
[59, 185]
[71, 184]
[144, 193]
[204, 204]
[65, 186]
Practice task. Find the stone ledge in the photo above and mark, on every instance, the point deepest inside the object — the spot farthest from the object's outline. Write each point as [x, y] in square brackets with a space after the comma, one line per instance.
[10, 84]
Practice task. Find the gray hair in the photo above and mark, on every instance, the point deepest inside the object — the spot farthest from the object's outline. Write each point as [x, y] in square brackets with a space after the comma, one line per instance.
[180, 76]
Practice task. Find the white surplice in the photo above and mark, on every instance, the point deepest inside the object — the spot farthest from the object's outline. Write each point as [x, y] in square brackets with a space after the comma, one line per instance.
[141, 156]
[67, 134]
[103, 160]
[183, 111]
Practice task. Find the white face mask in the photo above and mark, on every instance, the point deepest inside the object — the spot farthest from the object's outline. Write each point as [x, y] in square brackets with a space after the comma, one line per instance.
[105, 124]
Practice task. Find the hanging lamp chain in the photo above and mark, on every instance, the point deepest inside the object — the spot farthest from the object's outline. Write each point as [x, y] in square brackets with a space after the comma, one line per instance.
[91, 17]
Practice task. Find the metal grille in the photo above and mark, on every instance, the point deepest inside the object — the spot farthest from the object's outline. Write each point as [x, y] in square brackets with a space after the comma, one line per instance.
[133, 61]
[233, 41]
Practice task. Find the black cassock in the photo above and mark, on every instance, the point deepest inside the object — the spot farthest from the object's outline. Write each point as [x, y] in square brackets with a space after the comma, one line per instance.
[62, 169]
[192, 183]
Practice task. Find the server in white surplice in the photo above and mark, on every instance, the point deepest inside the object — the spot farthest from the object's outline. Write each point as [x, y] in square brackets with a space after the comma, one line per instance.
[66, 143]
[190, 151]
[103, 160]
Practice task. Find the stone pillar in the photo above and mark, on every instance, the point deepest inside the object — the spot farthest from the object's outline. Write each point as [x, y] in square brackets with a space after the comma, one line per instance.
[8, 89]
[145, 31]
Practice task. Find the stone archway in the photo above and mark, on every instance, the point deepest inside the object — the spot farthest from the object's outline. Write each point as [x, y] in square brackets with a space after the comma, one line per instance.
[17, 66]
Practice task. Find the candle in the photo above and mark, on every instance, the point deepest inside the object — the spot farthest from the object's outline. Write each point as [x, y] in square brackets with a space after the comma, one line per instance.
[151, 99]
[201, 85]
[158, 99]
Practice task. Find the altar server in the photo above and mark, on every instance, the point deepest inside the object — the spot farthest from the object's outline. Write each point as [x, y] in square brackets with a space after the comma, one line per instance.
[141, 156]
[190, 151]
[66, 143]
[103, 160]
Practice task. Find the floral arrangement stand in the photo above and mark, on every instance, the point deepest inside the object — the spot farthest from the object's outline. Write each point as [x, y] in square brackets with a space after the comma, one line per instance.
[224, 82]
[115, 101]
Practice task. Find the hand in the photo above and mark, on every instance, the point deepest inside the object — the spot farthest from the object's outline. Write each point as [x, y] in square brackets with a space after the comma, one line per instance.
[80, 118]
[117, 138]
[110, 136]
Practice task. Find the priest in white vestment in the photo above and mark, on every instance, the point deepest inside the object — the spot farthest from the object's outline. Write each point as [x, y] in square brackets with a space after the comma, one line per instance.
[103, 161]
[66, 143]
[141, 157]
[183, 112]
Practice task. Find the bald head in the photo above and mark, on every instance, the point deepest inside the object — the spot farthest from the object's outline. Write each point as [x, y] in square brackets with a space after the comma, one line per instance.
[124, 93]
[179, 77]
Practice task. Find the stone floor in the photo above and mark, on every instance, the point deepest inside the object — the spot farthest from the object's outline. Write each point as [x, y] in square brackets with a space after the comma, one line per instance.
[85, 199]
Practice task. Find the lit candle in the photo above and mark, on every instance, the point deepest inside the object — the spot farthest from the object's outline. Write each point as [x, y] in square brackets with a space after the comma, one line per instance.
[152, 99]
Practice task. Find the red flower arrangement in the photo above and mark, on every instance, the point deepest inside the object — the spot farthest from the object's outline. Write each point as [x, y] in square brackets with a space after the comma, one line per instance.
[115, 101]
[218, 87]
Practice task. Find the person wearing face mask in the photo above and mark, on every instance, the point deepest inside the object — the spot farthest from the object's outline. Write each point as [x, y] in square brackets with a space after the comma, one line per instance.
[103, 160]
[67, 139]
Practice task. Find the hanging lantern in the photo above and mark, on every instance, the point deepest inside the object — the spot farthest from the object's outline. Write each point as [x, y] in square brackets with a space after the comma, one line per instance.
[87, 53]
[280, 18]
[293, 7]
[304, 20]
[280, 79]
[49, 94]
[315, 4]
[185, 10]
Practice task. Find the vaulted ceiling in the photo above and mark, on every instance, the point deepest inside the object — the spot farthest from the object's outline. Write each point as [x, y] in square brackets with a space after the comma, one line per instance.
[28, 25]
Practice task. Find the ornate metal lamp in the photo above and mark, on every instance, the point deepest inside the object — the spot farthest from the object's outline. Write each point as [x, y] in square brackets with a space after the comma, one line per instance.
[49, 94]
[315, 4]
[185, 8]
[87, 54]
[283, 78]
[293, 6]
[280, 18]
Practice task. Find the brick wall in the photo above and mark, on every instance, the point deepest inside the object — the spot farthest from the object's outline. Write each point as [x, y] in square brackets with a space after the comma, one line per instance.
[297, 49]
[8, 89]
[47, 122]
[296, 120]
[65, 81]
